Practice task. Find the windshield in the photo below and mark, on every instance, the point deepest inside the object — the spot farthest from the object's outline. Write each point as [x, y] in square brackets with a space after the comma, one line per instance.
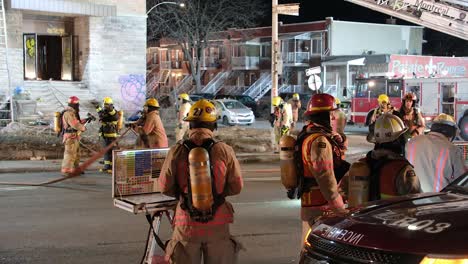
[374, 86]
[234, 105]
[460, 185]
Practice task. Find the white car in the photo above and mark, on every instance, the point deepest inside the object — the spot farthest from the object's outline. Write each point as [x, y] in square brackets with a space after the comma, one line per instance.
[233, 112]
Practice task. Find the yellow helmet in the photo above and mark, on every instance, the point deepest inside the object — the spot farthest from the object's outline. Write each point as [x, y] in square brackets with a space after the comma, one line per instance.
[152, 102]
[202, 111]
[295, 96]
[445, 120]
[388, 128]
[184, 96]
[383, 98]
[107, 100]
[337, 101]
[276, 101]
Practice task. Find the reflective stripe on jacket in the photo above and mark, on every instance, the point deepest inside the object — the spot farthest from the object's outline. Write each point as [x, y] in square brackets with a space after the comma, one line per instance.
[226, 174]
[436, 160]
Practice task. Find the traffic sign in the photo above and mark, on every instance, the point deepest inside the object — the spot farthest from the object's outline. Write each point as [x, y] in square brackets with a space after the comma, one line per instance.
[314, 70]
[314, 82]
[288, 9]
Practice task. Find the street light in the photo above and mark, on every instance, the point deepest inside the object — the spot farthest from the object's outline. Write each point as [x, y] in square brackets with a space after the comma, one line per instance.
[158, 4]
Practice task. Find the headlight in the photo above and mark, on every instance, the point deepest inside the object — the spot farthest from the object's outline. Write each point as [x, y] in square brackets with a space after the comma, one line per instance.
[428, 118]
[443, 260]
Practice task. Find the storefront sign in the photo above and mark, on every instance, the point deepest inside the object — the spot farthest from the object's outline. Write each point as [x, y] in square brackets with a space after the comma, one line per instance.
[428, 66]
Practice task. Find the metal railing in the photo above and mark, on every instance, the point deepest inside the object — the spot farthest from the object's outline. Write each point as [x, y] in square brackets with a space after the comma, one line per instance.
[292, 88]
[296, 57]
[245, 62]
[260, 87]
[185, 85]
[215, 85]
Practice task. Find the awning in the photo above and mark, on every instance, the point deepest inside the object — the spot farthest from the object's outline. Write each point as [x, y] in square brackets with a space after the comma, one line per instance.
[344, 62]
[64, 7]
[356, 60]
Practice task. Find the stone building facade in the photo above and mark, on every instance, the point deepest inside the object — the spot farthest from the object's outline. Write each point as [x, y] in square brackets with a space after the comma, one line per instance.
[88, 48]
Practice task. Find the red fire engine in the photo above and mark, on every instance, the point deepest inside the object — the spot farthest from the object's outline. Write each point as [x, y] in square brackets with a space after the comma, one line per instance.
[435, 96]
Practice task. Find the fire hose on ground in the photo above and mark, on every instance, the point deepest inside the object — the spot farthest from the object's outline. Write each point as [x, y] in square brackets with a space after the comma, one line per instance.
[77, 171]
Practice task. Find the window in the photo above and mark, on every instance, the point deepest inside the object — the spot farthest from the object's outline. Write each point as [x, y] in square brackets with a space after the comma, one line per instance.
[373, 86]
[394, 89]
[317, 46]
[233, 105]
[265, 51]
[448, 98]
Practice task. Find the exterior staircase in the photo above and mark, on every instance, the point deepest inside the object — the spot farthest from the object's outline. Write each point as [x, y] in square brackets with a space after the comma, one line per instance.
[216, 83]
[47, 97]
[185, 86]
[260, 87]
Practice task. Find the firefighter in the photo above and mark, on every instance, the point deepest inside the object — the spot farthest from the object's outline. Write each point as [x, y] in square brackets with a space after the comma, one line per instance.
[338, 118]
[109, 118]
[295, 103]
[384, 172]
[412, 116]
[282, 114]
[384, 107]
[319, 157]
[436, 160]
[196, 234]
[150, 127]
[72, 126]
[184, 107]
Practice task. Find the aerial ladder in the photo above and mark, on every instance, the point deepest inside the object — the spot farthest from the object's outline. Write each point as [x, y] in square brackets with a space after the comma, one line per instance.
[447, 16]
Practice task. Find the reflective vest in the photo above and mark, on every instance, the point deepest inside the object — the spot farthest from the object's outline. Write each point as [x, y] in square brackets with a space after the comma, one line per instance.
[383, 178]
[109, 121]
[311, 194]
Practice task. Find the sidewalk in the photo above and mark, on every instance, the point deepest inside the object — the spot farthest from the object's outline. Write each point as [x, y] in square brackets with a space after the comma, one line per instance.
[20, 166]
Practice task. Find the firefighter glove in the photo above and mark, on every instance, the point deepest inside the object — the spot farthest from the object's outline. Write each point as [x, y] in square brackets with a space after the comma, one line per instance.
[292, 193]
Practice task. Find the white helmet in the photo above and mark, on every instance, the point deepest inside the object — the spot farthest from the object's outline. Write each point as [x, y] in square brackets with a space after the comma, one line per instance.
[388, 128]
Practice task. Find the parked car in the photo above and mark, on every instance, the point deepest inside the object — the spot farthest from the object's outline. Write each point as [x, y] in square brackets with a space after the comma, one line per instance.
[195, 97]
[423, 228]
[233, 112]
[244, 99]
[208, 96]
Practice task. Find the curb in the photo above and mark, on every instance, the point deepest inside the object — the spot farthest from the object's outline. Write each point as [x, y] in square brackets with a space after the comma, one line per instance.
[243, 159]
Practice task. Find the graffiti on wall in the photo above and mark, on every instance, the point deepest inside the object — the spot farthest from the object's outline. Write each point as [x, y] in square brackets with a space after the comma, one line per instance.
[133, 91]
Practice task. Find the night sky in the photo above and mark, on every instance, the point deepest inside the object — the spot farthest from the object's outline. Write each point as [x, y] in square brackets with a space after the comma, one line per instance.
[312, 10]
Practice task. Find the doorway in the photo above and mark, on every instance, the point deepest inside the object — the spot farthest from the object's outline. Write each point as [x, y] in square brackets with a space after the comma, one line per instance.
[49, 60]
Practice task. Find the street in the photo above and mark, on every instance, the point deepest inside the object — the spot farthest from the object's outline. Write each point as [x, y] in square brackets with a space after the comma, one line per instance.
[75, 221]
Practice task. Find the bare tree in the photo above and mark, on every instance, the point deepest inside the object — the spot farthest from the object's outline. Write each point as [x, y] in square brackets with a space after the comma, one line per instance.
[192, 26]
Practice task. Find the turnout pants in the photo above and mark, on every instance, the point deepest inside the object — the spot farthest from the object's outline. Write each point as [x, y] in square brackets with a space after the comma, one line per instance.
[108, 155]
[214, 245]
[71, 155]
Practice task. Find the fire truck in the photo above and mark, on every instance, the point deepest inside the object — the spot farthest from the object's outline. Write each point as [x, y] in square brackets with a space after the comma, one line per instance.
[435, 96]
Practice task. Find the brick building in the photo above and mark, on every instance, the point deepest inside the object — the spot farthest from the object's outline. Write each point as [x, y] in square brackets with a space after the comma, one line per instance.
[239, 62]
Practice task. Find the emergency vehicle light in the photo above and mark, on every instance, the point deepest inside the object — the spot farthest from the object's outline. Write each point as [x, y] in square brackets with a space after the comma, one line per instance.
[436, 260]
[305, 239]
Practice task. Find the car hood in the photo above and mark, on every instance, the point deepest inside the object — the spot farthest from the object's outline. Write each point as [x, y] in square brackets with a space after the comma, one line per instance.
[434, 223]
[242, 111]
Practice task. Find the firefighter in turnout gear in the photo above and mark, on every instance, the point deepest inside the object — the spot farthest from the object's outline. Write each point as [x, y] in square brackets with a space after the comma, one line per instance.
[201, 172]
[295, 103]
[411, 116]
[71, 128]
[436, 160]
[109, 118]
[184, 107]
[150, 127]
[319, 163]
[282, 114]
[384, 107]
[338, 118]
[384, 172]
